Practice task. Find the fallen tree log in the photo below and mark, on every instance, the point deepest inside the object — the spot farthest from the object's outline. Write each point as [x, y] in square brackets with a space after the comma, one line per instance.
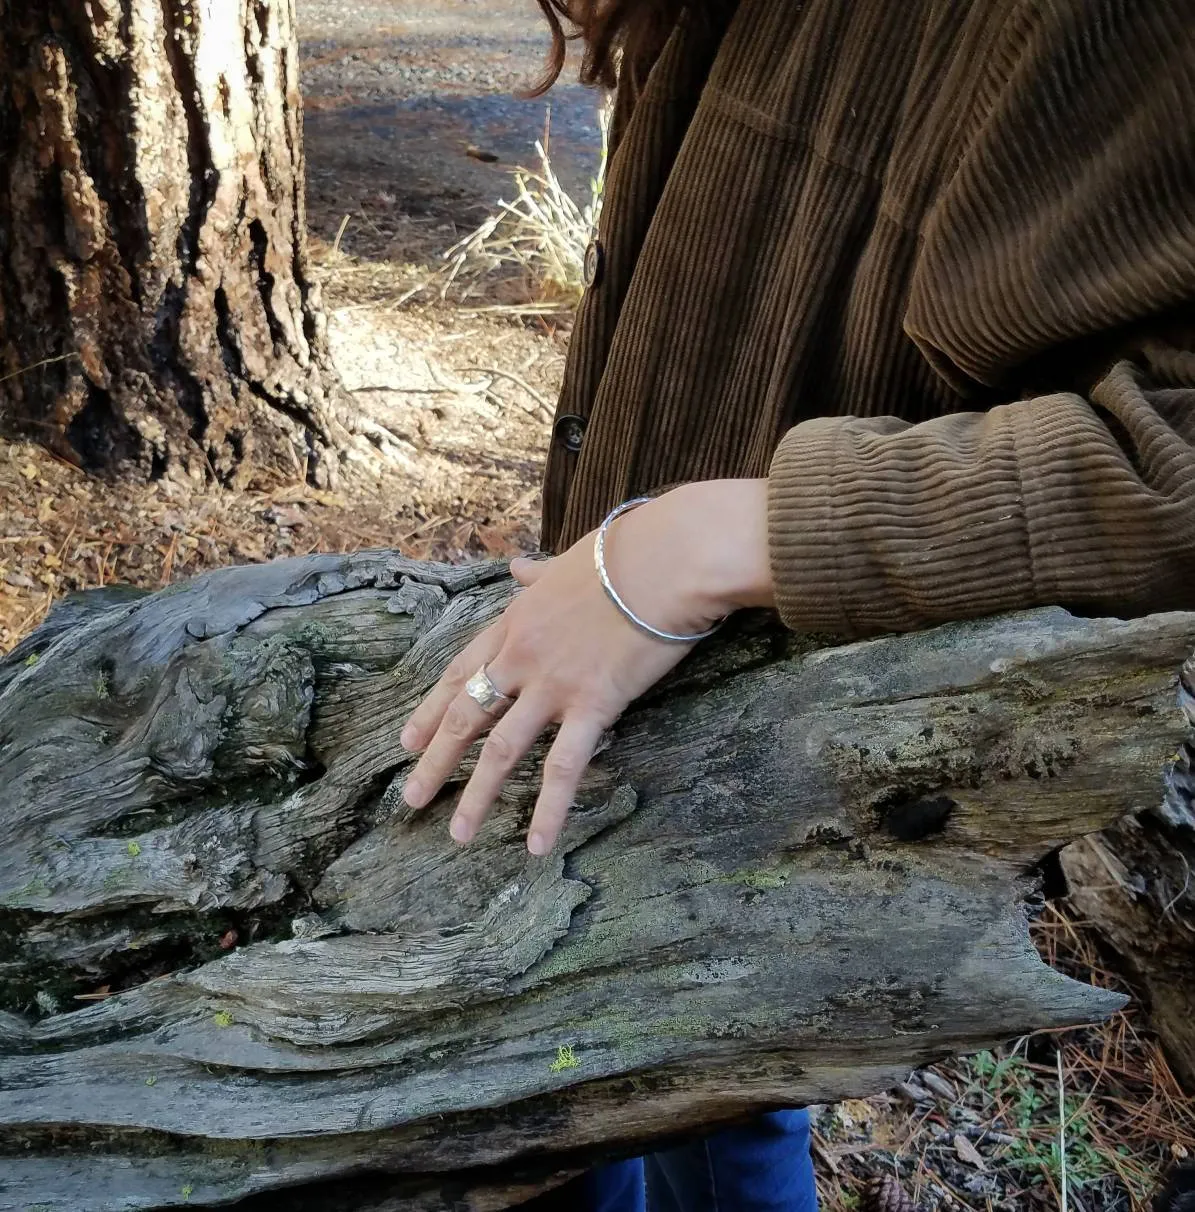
[1135, 883]
[231, 963]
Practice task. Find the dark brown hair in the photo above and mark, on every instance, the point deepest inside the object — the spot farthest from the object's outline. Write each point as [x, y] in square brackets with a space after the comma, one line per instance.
[607, 28]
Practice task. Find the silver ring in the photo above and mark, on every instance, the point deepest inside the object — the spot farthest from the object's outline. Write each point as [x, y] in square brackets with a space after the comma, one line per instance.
[485, 694]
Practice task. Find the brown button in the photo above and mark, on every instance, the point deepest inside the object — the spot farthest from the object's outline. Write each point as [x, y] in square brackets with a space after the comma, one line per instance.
[569, 431]
[594, 265]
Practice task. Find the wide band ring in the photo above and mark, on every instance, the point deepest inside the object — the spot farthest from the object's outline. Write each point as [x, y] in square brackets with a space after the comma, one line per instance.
[485, 694]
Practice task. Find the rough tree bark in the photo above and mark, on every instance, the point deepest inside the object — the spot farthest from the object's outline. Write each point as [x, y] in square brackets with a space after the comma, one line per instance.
[793, 872]
[156, 309]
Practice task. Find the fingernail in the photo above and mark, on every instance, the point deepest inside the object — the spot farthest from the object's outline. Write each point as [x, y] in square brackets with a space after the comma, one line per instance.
[414, 793]
[409, 738]
[538, 844]
[459, 828]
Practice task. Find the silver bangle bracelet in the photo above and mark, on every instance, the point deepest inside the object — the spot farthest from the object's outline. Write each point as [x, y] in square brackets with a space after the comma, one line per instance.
[599, 562]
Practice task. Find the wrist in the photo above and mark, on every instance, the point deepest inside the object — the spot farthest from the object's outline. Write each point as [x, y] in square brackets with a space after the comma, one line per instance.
[690, 557]
[724, 551]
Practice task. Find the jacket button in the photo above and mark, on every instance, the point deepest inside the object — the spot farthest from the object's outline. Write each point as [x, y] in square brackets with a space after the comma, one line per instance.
[569, 431]
[594, 265]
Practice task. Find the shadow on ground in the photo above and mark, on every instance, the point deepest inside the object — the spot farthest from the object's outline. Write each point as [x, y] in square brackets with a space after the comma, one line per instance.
[412, 118]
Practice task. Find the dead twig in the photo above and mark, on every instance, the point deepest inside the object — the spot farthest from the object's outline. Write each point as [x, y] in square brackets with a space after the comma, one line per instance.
[24, 370]
[545, 411]
[339, 233]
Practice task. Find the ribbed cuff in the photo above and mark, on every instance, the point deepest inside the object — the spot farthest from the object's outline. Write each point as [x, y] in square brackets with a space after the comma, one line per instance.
[803, 531]
[876, 525]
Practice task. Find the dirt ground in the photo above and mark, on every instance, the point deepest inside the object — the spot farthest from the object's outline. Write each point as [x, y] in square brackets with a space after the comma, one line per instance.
[411, 133]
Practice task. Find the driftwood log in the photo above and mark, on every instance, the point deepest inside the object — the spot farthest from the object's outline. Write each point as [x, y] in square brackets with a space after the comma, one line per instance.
[231, 964]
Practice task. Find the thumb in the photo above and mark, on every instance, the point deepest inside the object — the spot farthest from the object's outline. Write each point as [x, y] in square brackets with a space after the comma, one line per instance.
[528, 569]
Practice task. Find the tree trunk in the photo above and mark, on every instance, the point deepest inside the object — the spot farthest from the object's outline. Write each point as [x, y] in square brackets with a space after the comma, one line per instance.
[1135, 882]
[232, 963]
[156, 310]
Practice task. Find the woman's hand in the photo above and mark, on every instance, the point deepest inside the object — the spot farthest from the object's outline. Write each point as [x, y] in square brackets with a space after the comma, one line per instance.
[567, 655]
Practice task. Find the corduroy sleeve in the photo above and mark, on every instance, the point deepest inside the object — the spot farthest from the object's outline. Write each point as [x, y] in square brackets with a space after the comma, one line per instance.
[1085, 503]
[1059, 252]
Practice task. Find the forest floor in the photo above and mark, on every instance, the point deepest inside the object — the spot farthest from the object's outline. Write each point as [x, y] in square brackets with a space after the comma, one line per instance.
[412, 132]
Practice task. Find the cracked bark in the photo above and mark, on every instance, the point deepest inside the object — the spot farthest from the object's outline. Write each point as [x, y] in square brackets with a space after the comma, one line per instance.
[792, 873]
[156, 309]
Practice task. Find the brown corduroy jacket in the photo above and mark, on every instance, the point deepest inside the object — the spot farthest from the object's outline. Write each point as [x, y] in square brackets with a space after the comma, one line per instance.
[929, 265]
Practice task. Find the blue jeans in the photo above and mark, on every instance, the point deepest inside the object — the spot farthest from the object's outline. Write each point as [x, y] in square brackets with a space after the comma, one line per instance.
[763, 1166]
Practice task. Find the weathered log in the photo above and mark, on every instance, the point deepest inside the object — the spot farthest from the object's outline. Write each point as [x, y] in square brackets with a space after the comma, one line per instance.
[792, 873]
[1135, 883]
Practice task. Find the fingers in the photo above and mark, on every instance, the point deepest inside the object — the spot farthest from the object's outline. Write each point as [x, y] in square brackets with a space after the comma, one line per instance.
[565, 764]
[527, 571]
[463, 722]
[447, 723]
[425, 719]
[454, 728]
[509, 741]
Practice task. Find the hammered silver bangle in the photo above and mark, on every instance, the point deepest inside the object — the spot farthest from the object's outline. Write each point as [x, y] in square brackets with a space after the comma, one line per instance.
[599, 562]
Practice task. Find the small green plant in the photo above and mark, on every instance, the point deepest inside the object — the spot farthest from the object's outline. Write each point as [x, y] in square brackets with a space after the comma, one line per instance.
[1033, 1120]
[134, 848]
[1029, 1102]
[1085, 1165]
[566, 1058]
[222, 1018]
[187, 1190]
[31, 660]
[151, 1080]
[996, 1074]
[983, 1063]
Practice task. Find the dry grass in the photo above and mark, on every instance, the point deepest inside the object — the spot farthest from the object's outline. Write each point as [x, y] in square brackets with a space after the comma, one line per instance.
[1130, 1106]
[526, 259]
[528, 256]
